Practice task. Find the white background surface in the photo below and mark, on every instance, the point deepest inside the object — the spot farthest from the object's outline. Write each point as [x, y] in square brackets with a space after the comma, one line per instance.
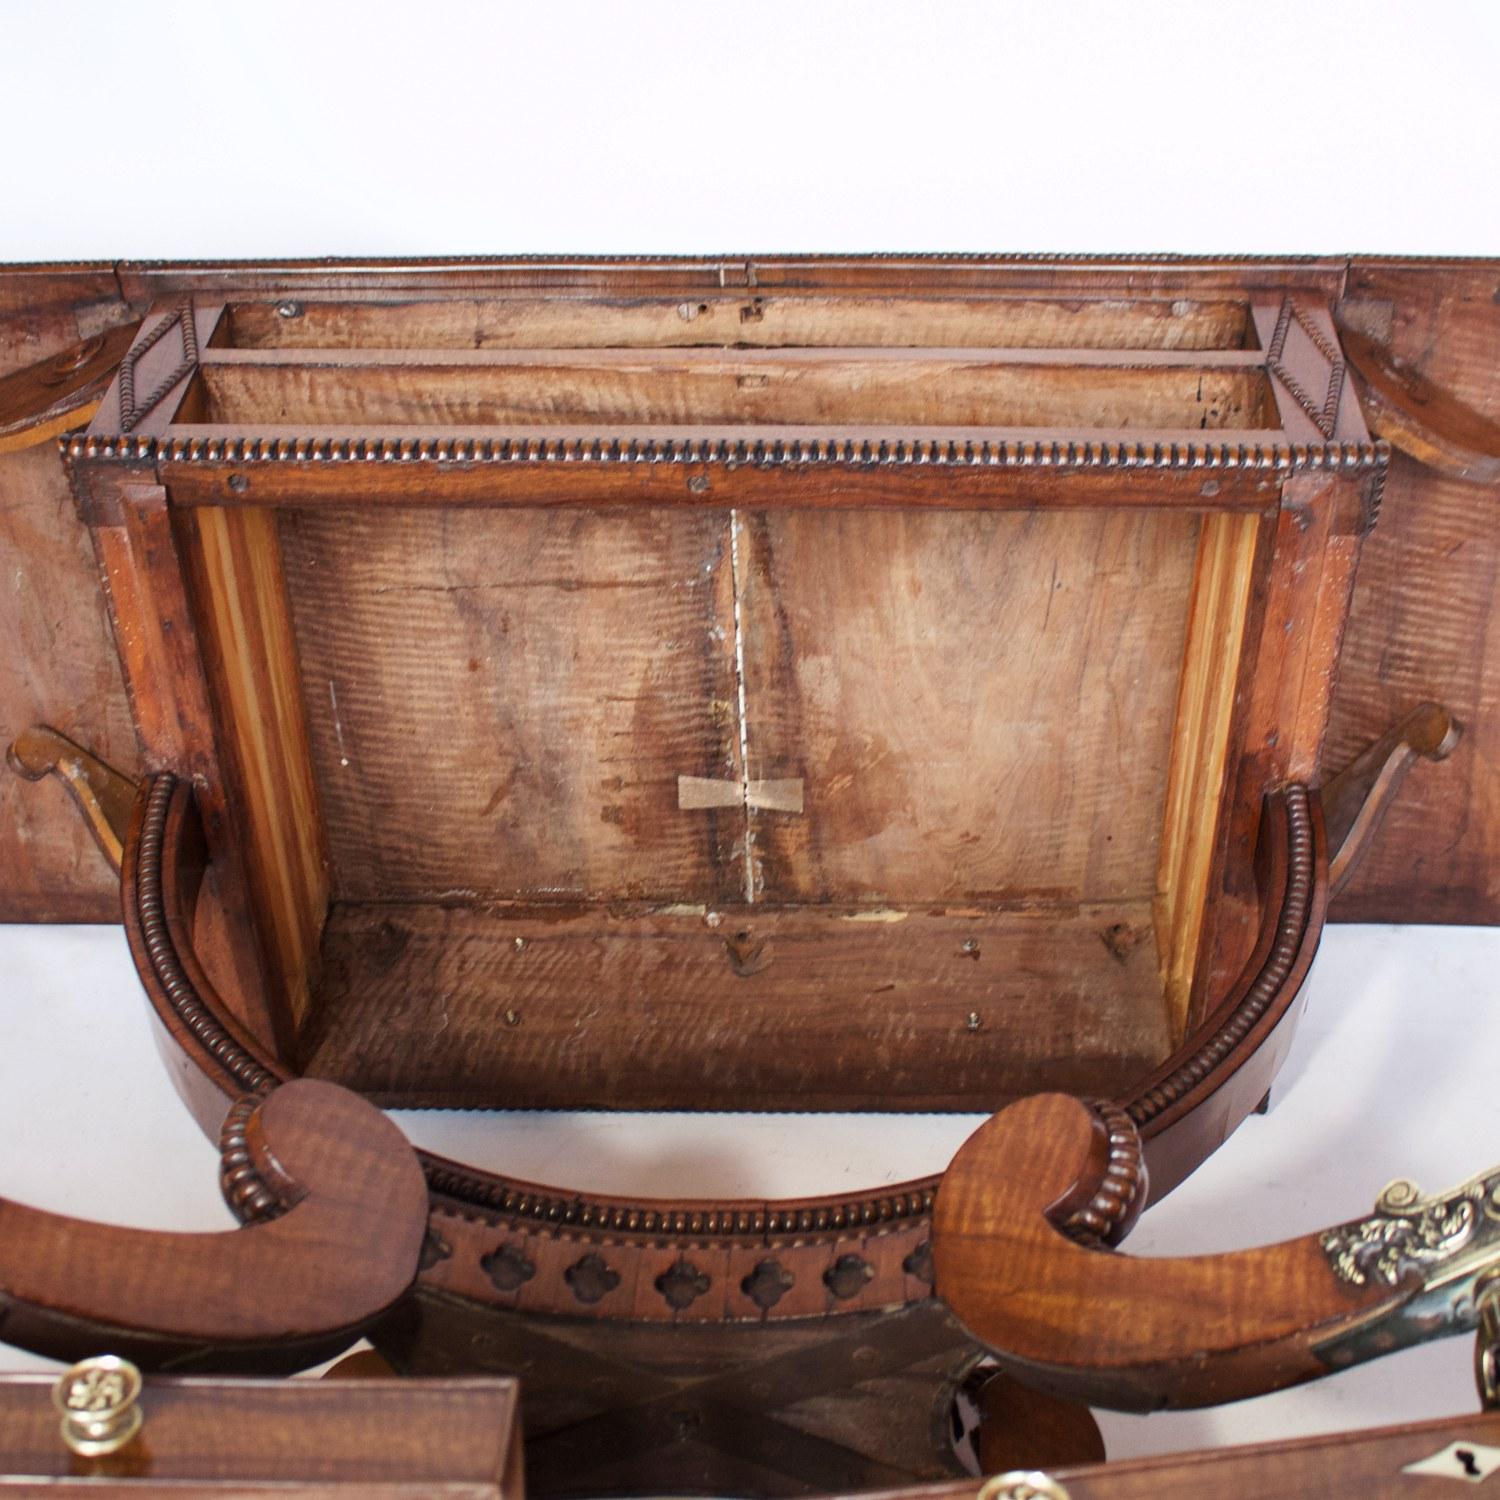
[293, 129]
[353, 127]
[1392, 1074]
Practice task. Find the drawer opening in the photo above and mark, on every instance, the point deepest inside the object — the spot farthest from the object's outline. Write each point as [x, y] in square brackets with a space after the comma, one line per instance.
[522, 908]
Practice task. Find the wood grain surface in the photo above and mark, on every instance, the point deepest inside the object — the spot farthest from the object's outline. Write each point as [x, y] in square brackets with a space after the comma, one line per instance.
[794, 1008]
[710, 387]
[457, 1438]
[1016, 1272]
[330, 320]
[334, 1209]
[1359, 1465]
[57, 659]
[980, 707]
[500, 705]
[1424, 622]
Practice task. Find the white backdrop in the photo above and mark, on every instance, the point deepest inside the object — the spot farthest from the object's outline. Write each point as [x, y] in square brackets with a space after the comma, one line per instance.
[353, 127]
[1392, 1074]
[295, 129]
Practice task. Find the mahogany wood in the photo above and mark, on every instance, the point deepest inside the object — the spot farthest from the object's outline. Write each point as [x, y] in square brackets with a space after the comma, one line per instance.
[1423, 420]
[1363, 1465]
[936, 760]
[1429, 314]
[1022, 1428]
[223, 1436]
[1359, 796]
[1030, 1204]
[515, 1243]
[1423, 625]
[446, 1005]
[1014, 1277]
[334, 1209]
[61, 393]
[102, 795]
[1126, 620]
[57, 662]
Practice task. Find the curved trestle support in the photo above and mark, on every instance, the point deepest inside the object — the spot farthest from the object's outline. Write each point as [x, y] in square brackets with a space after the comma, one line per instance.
[1018, 1265]
[334, 1209]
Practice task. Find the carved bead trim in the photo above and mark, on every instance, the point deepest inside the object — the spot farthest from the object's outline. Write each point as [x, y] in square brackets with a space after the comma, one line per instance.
[131, 410]
[184, 999]
[1377, 494]
[1117, 1199]
[741, 1221]
[252, 1196]
[1295, 909]
[736, 452]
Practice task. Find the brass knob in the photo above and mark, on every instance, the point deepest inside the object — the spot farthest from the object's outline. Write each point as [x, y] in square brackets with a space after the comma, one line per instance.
[98, 1399]
[1022, 1484]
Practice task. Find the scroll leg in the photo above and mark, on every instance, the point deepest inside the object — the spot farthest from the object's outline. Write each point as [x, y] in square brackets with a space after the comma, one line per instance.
[1024, 1268]
[333, 1207]
[1355, 800]
[103, 795]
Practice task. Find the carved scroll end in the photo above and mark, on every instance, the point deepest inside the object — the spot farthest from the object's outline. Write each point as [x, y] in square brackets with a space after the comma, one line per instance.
[1114, 1198]
[253, 1182]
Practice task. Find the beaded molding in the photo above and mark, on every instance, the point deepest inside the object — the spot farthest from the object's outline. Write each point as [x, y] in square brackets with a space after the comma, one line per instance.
[1295, 910]
[902, 1206]
[161, 952]
[251, 1198]
[735, 452]
[905, 1205]
[1112, 1209]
